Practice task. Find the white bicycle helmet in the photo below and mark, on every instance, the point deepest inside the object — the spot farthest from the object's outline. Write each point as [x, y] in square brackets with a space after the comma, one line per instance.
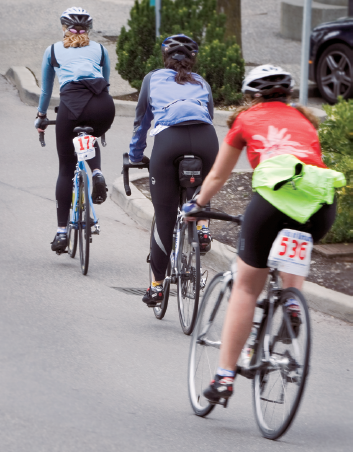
[74, 17]
[268, 81]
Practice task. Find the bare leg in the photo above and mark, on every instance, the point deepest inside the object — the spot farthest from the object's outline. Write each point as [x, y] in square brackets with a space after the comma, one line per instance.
[289, 280]
[247, 287]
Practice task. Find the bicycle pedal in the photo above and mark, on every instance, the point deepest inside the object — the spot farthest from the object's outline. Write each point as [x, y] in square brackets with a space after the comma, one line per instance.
[61, 252]
[223, 402]
[158, 305]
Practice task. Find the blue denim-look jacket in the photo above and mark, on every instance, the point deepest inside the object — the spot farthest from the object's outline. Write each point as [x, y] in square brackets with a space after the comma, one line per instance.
[75, 63]
[168, 103]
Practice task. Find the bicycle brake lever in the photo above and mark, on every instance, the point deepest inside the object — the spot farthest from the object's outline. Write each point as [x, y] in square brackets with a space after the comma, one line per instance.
[41, 139]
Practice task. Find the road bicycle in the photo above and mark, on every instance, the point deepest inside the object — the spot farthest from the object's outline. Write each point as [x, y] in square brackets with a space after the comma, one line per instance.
[184, 267]
[276, 356]
[80, 226]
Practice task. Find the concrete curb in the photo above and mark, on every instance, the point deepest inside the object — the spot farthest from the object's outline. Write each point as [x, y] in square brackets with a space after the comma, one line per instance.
[220, 257]
[24, 80]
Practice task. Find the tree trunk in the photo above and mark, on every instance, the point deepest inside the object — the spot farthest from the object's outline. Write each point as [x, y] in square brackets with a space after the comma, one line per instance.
[232, 9]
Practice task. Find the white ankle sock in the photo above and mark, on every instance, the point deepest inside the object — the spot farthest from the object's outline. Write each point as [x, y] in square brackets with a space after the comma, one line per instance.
[61, 231]
[96, 171]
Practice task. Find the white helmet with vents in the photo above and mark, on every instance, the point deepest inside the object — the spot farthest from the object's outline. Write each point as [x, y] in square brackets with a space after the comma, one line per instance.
[268, 80]
[76, 17]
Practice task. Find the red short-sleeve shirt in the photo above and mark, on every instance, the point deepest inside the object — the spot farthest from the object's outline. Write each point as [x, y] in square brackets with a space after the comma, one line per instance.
[273, 128]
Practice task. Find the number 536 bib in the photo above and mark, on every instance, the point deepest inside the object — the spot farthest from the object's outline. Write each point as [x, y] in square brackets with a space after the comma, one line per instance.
[291, 252]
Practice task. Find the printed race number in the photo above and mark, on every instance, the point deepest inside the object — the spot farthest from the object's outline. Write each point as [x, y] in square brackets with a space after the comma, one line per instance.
[291, 252]
[84, 147]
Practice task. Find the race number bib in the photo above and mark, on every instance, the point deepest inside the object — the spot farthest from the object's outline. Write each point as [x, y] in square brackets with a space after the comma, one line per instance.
[291, 252]
[84, 147]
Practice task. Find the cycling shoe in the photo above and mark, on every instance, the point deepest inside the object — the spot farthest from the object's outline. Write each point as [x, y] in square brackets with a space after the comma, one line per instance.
[153, 296]
[59, 243]
[99, 190]
[220, 388]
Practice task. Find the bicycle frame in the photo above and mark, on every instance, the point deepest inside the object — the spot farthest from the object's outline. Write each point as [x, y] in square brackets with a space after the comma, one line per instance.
[273, 297]
[80, 166]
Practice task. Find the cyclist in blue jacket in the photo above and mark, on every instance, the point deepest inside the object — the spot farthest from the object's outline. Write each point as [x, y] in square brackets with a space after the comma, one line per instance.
[83, 69]
[181, 104]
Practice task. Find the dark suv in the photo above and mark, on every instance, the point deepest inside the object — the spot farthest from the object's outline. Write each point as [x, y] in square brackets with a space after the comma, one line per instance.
[331, 59]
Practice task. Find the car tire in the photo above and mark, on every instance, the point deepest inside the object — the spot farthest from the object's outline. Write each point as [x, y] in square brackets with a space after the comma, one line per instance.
[334, 73]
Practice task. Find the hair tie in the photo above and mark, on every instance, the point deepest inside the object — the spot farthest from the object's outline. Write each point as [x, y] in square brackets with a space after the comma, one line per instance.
[72, 30]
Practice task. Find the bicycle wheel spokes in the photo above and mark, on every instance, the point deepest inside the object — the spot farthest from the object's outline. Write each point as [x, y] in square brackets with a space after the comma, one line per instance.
[188, 280]
[206, 343]
[278, 387]
[84, 226]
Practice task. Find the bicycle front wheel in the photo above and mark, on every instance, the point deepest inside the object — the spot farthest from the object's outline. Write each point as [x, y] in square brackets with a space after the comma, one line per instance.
[84, 226]
[159, 311]
[206, 342]
[188, 282]
[278, 387]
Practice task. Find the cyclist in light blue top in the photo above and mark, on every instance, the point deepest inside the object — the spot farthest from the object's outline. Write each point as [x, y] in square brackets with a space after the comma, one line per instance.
[181, 104]
[83, 69]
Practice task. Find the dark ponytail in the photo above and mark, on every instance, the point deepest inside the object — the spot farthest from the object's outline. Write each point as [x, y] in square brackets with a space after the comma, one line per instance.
[183, 69]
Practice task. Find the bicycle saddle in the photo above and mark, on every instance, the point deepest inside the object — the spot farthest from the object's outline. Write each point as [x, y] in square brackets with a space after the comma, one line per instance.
[85, 129]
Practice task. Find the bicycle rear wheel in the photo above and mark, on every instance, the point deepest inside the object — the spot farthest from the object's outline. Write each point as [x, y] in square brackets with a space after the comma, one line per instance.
[278, 388]
[72, 236]
[206, 342]
[159, 311]
[84, 226]
[189, 279]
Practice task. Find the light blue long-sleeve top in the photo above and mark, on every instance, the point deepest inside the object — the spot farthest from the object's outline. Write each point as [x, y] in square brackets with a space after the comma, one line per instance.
[76, 63]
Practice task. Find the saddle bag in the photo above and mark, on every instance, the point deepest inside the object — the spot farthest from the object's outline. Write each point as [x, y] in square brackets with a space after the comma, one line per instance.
[190, 171]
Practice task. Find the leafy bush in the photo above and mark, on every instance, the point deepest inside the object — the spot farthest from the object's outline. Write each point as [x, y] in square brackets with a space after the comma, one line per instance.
[336, 137]
[219, 60]
[135, 46]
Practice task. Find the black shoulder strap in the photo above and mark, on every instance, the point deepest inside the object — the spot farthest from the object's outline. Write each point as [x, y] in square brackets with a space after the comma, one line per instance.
[102, 57]
[53, 60]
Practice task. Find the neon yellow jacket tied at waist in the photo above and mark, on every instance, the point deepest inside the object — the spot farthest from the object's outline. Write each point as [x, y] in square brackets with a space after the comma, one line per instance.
[296, 189]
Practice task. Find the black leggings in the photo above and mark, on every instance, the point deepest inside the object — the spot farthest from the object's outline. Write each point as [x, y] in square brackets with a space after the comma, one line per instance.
[196, 139]
[262, 223]
[99, 114]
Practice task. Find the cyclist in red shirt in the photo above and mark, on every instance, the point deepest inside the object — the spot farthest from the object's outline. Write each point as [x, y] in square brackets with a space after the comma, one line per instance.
[270, 127]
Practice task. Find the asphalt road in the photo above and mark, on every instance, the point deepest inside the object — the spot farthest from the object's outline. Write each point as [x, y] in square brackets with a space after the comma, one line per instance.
[85, 367]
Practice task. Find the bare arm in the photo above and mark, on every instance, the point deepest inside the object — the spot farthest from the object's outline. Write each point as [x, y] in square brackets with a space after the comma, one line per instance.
[221, 170]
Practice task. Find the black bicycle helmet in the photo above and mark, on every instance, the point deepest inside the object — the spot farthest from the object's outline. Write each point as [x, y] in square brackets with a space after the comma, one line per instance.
[267, 80]
[180, 46]
[76, 17]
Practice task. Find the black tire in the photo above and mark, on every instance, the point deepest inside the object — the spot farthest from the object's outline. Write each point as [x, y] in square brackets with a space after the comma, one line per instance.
[84, 226]
[334, 73]
[159, 311]
[277, 389]
[203, 358]
[72, 236]
[189, 277]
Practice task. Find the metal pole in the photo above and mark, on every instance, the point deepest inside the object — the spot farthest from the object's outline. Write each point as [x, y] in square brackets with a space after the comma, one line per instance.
[350, 8]
[304, 70]
[158, 16]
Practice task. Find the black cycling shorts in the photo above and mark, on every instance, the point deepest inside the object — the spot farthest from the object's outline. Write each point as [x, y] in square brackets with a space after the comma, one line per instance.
[263, 221]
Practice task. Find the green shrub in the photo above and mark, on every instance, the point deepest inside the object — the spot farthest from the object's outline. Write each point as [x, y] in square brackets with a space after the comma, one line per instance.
[336, 137]
[219, 60]
[136, 45]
